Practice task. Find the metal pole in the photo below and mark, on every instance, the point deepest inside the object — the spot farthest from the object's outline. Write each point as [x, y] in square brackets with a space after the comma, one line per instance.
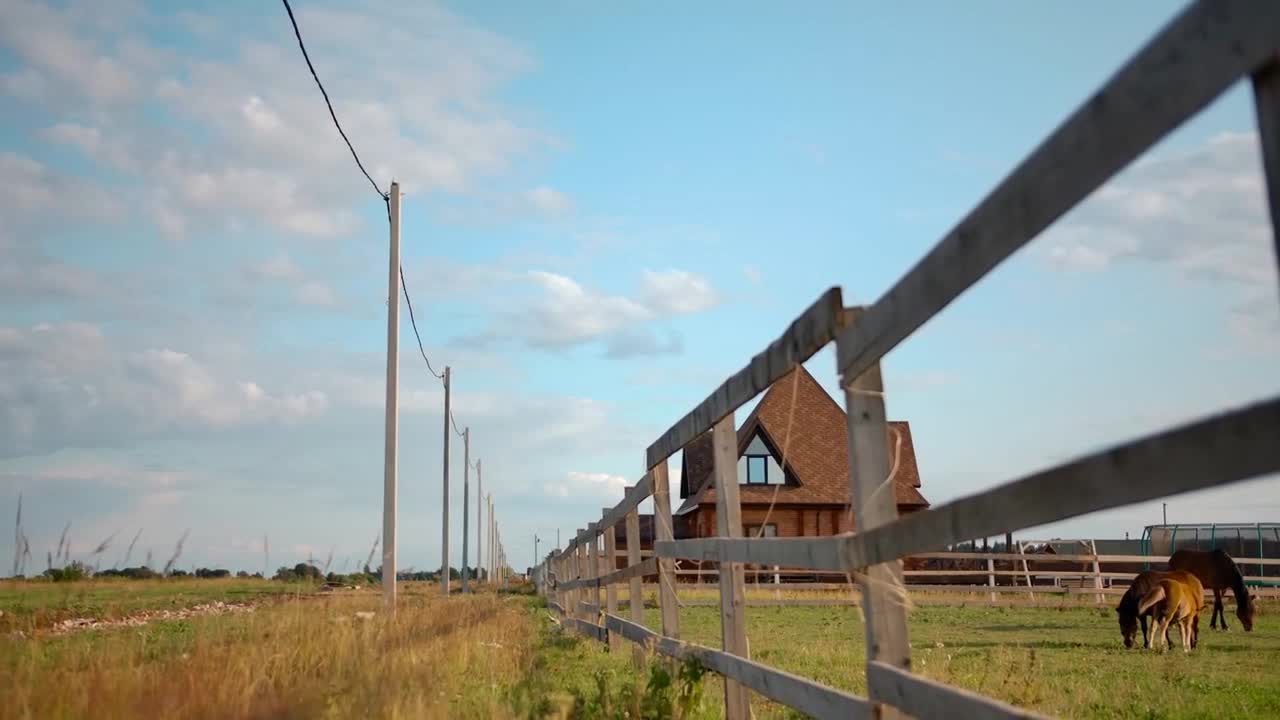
[444, 505]
[466, 497]
[535, 550]
[393, 409]
[479, 520]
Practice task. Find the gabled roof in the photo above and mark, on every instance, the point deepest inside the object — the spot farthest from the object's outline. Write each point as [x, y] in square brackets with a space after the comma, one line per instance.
[809, 431]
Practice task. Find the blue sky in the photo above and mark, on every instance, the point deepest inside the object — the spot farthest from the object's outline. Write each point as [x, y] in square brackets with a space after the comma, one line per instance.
[607, 211]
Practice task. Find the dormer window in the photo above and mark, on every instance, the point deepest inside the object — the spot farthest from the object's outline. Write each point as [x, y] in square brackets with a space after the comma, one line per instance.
[758, 466]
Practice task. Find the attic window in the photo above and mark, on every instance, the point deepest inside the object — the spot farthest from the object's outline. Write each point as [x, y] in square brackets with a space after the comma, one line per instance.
[758, 465]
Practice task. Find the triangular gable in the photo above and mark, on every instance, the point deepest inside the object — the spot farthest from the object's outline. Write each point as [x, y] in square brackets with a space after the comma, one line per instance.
[796, 406]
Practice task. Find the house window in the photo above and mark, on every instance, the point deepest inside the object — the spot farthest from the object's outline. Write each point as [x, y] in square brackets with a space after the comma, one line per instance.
[751, 531]
[758, 466]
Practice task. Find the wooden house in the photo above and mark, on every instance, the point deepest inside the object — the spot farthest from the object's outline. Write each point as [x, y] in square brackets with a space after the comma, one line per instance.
[793, 470]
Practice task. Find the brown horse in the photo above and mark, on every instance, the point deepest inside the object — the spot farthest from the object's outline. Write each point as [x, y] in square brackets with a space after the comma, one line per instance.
[1129, 614]
[1217, 571]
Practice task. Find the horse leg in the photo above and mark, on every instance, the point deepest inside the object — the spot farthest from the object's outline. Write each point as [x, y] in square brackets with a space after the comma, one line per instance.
[1195, 630]
[1185, 627]
[1217, 608]
[1222, 608]
[1146, 641]
[1162, 633]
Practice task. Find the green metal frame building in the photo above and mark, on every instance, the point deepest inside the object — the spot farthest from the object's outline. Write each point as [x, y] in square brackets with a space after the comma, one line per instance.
[1242, 541]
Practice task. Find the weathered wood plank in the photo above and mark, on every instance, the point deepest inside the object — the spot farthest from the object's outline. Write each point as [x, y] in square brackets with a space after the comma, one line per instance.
[662, 531]
[806, 335]
[635, 495]
[1266, 103]
[587, 628]
[809, 697]
[815, 553]
[733, 615]
[636, 572]
[1188, 64]
[635, 601]
[610, 592]
[1233, 446]
[871, 493]
[924, 698]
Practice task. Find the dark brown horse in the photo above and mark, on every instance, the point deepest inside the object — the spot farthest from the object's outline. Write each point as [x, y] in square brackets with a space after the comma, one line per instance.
[1217, 571]
[1129, 615]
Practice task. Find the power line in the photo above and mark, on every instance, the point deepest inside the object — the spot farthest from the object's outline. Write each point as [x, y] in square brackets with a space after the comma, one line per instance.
[302, 46]
[386, 198]
[455, 424]
[405, 287]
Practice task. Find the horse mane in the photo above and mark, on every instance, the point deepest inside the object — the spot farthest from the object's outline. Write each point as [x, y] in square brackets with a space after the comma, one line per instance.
[1239, 587]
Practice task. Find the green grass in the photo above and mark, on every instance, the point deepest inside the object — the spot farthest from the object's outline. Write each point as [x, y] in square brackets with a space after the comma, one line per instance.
[1068, 662]
[500, 656]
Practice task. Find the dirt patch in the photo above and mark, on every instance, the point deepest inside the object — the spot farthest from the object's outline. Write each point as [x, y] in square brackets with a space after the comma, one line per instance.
[144, 617]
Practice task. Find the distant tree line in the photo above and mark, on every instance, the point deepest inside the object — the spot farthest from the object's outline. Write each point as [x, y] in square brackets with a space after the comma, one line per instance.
[302, 572]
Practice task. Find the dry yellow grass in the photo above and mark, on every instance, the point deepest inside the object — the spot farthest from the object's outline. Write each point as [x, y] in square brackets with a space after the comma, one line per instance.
[306, 657]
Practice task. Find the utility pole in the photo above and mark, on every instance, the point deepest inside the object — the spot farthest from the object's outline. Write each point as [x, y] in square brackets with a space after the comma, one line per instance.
[493, 549]
[557, 539]
[390, 455]
[1164, 510]
[466, 497]
[479, 520]
[444, 506]
[535, 550]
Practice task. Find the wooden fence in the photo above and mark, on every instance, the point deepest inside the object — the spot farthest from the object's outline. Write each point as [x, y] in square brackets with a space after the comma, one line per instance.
[1191, 61]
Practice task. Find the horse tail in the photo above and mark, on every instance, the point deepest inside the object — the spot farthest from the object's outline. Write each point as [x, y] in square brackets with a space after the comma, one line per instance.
[1151, 598]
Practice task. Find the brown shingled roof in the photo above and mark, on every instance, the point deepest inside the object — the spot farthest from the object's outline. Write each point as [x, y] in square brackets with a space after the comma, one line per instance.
[817, 455]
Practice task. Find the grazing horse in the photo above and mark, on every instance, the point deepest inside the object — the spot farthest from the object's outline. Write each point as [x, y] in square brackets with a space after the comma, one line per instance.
[1217, 571]
[1129, 615]
[1173, 600]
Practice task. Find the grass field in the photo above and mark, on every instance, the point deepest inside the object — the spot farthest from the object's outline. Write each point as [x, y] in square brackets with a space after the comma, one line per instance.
[29, 606]
[308, 654]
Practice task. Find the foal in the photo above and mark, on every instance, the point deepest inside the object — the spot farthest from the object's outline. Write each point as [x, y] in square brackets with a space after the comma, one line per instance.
[1145, 582]
[1173, 601]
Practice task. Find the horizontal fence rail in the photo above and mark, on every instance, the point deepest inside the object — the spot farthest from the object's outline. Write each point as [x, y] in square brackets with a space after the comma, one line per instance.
[1189, 62]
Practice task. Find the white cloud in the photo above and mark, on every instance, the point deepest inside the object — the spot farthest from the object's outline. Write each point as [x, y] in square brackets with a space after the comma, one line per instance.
[569, 314]
[1200, 212]
[548, 201]
[67, 385]
[30, 191]
[676, 292]
[602, 485]
[268, 151]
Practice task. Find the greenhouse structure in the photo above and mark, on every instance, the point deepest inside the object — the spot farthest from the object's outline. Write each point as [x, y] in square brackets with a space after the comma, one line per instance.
[1242, 541]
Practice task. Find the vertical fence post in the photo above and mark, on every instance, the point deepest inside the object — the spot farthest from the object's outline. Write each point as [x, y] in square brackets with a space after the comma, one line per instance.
[1097, 572]
[392, 430]
[593, 570]
[611, 592]
[480, 522]
[580, 553]
[663, 531]
[991, 576]
[733, 617]
[1026, 571]
[875, 503]
[635, 591]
